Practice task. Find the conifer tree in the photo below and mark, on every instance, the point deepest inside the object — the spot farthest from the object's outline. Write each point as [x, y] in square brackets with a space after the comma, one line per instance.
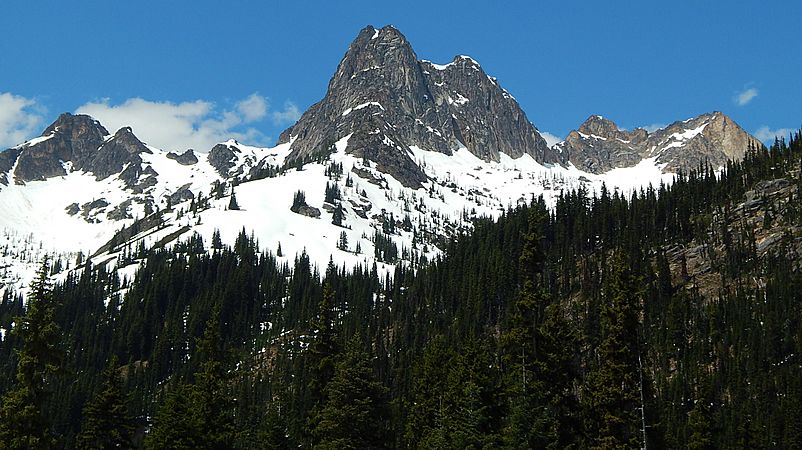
[199, 415]
[536, 352]
[176, 425]
[612, 389]
[107, 423]
[355, 412]
[321, 353]
[232, 203]
[24, 423]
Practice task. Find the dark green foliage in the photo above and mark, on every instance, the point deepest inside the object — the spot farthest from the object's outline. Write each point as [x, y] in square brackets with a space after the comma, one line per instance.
[612, 389]
[199, 415]
[24, 420]
[355, 413]
[107, 422]
[332, 193]
[232, 203]
[584, 325]
[298, 201]
[338, 216]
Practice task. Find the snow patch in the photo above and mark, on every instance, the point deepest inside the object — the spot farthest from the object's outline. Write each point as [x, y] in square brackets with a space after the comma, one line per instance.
[363, 105]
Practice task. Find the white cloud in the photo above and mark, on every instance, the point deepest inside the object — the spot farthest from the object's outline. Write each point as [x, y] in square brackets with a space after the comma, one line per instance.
[178, 126]
[288, 116]
[767, 135]
[654, 127]
[20, 119]
[550, 138]
[253, 108]
[745, 96]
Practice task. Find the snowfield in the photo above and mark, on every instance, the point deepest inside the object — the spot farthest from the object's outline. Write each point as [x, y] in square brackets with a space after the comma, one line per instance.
[35, 218]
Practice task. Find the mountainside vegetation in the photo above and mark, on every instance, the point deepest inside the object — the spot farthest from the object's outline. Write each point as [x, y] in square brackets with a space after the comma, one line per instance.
[666, 318]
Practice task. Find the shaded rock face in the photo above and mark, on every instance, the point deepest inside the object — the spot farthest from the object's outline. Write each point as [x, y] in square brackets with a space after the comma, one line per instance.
[83, 143]
[187, 158]
[223, 157]
[387, 101]
[7, 160]
[71, 138]
[118, 153]
[599, 145]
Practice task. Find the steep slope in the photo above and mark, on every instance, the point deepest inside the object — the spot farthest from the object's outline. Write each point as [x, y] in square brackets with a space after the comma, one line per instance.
[398, 157]
[713, 138]
[388, 101]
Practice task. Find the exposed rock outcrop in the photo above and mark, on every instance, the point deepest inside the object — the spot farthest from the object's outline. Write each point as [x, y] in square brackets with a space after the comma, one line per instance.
[599, 145]
[387, 101]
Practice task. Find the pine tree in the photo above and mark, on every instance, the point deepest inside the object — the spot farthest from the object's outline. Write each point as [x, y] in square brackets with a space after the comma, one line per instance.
[536, 352]
[355, 413]
[212, 403]
[612, 389]
[176, 425]
[232, 204]
[107, 423]
[321, 353]
[199, 415]
[338, 216]
[24, 423]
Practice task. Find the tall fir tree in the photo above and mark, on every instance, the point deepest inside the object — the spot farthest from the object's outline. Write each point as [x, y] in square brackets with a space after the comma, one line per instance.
[199, 415]
[107, 422]
[612, 389]
[536, 351]
[24, 423]
[321, 354]
[355, 413]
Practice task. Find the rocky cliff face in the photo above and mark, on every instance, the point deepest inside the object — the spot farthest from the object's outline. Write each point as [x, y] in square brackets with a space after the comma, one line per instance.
[77, 142]
[599, 145]
[72, 138]
[388, 100]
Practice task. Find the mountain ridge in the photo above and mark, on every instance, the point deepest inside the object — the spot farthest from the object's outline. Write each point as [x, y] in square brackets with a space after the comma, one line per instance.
[407, 152]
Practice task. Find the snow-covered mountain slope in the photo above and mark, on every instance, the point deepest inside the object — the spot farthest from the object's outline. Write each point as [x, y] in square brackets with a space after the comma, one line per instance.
[398, 156]
[78, 213]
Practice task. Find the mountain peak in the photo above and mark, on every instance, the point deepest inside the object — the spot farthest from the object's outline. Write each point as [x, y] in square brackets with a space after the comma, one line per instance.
[387, 101]
[710, 138]
[598, 125]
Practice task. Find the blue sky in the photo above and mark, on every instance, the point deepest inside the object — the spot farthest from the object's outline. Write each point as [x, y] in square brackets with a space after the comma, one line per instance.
[186, 74]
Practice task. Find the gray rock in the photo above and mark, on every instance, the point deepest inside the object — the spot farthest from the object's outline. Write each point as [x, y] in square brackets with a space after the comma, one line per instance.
[187, 158]
[306, 210]
[120, 154]
[120, 211]
[75, 138]
[387, 101]
[713, 139]
[769, 187]
[183, 194]
[223, 157]
[82, 142]
[7, 160]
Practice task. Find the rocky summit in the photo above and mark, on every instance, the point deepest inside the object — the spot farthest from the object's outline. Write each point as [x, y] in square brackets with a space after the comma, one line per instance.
[398, 157]
[387, 101]
[76, 142]
[599, 145]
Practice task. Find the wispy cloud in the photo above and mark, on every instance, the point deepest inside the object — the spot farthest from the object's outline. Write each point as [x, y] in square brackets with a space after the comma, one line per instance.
[550, 138]
[178, 126]
[289, 115]
[654, 127]
[767, 135]
[20, 119]
[253, 108]
[745, 96]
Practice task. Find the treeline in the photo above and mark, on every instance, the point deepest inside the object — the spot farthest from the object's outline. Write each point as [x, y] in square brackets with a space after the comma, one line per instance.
[587, 326]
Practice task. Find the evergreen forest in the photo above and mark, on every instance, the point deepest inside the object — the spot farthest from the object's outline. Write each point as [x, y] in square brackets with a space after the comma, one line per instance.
[670, 317]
